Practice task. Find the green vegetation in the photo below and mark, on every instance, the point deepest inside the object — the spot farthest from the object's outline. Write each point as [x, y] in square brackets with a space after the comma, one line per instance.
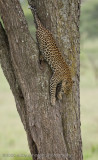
[12, 135]
[89, 78]
[89, 18]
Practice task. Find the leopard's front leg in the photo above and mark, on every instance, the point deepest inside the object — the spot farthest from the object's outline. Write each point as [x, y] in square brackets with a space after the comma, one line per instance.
[53, 85]
[63, 86]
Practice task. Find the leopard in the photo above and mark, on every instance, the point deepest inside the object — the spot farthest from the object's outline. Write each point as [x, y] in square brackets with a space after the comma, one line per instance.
[52, 55]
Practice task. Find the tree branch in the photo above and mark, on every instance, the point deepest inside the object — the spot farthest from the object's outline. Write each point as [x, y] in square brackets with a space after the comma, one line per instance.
[8, 70]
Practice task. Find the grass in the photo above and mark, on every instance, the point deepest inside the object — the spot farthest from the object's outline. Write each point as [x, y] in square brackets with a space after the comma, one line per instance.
[89, 119]
[91, 46]
[12, 135]
[89, 102]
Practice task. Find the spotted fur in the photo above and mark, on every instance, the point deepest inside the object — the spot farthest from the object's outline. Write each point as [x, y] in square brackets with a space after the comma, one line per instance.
[50, 52]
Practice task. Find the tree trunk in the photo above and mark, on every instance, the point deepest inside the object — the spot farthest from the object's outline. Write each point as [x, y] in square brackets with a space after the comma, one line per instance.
[53, 132]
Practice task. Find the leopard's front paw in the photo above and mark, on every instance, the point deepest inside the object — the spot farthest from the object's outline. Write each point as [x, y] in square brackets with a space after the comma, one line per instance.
[59, 96]
[53, 101]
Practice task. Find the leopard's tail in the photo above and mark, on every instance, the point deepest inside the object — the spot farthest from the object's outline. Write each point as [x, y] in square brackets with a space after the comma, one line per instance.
[37, 21]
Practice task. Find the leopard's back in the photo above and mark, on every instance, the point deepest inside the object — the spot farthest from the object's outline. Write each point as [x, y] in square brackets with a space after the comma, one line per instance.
[50, 50]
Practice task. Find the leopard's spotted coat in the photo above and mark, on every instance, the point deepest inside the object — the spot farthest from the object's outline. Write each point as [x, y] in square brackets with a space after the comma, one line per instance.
[50, 52]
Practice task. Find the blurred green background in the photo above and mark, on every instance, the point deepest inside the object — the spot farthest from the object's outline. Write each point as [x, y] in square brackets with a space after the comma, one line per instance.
[12, 135]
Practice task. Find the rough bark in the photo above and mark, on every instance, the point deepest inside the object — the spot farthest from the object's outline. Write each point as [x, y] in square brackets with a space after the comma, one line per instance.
[53, 132]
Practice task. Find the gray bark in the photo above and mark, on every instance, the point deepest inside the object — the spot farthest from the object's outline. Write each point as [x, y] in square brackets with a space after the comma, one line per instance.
[52, 132]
